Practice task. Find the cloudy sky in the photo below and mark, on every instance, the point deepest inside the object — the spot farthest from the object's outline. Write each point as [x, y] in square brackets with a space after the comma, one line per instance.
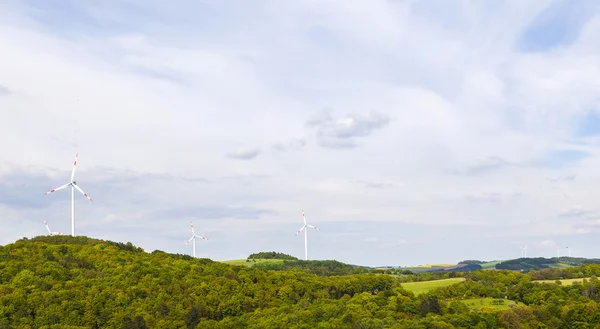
[409, 131]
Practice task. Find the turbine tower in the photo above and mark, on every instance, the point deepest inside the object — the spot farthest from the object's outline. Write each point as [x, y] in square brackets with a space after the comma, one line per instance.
[73, 186]
[193, 239]
[305, 235]
[50, 232]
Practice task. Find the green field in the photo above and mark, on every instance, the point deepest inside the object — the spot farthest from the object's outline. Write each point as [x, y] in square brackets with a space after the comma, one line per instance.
[252, 261]
[495, 303]
[422, 287]
[491, 265]
[565, 281]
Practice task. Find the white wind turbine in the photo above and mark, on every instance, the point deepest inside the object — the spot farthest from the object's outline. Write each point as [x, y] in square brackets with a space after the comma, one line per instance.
[50, 232]
[524, 251]
[73, 186]
[193, 239]
[305, 235]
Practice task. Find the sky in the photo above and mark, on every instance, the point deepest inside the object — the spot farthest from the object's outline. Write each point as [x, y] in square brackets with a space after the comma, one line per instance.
[409, 131]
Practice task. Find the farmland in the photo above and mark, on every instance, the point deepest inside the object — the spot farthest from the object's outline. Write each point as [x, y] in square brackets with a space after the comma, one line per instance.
[425, 286]
[252, 262]
[564, 281]
[494, 303]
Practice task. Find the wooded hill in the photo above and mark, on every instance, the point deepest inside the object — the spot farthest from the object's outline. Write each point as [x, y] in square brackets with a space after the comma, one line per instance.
[78, 282]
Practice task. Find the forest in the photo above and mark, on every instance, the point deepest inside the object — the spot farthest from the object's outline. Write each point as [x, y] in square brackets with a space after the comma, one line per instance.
[537, 263]
[79, 282]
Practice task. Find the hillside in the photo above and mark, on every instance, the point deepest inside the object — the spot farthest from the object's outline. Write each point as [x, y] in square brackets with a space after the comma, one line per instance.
[66, 282]
[525, 264]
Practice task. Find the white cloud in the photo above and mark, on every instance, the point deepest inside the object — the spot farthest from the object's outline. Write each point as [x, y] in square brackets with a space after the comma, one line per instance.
[440, 100]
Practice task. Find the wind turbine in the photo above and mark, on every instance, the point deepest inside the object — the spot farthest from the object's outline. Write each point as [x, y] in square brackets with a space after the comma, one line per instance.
[305, 235]
[193, 239]
[524, 251]
[73, 186]
[50, 232]
[569, 251]
[558, 252]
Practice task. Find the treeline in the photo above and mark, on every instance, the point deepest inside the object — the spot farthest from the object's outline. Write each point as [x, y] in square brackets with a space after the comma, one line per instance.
[66, 282]
[565, 273]
[271, 255]
[472, 261]
[318, 267]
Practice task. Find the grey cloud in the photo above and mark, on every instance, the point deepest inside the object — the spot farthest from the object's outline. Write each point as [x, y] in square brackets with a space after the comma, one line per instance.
[212, 212]
[4, 91]
[244, 153]
[562, 178]
[22, 190]
[163, 74]
[25, 190]
[294, 144]
[489, 164]
[343, 132]
[575, 211]
[376, 185]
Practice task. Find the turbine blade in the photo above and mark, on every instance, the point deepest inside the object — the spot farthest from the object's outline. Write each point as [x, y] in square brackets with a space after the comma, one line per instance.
[316, 228]
[300, 230]
[201, 237]
[80, 190]
[74, 166]
[192, 226]
[188, 241]
[303, 218]
[47, 228]
[56, 189]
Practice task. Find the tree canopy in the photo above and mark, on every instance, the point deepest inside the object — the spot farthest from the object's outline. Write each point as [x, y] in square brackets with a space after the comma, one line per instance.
[78, 282]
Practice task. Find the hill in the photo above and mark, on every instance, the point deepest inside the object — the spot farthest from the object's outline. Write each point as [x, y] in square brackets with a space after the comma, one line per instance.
[525, 264]
[78, 282]
[271, 255]
[528, 264]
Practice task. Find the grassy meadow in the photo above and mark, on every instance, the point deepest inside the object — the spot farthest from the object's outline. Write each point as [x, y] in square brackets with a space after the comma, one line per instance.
[423, 287]
[251, 262]
[563, 282]
[494, 303]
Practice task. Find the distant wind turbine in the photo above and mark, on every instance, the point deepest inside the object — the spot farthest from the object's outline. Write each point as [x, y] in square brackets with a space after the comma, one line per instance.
[524, 251]
[558, 252]
[193, 239]
[305, 235]
[569, 251]
[73, 186]
[50, 232]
